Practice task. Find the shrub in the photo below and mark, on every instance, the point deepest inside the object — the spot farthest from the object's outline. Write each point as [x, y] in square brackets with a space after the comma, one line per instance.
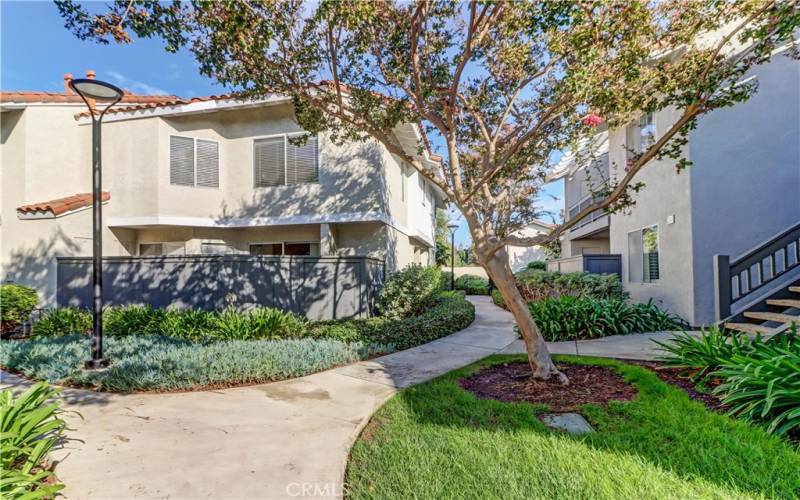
[472, 284]
[63, 321]
[498, 299]
[132, 320]
[409, 291]
[259, 323]
[190, 324]
[449, 313]
[763, 385]
[30, 426]
[16, 304]
[700, 355]
[759, 380]
[157, 363]
[536, 285]
[538, 265]
[570, 318]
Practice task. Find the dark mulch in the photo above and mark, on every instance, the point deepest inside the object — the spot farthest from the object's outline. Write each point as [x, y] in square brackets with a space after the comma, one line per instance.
[673, 376]
[511, 382]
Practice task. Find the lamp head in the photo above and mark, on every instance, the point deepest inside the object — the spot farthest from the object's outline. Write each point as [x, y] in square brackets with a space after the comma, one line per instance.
[96, 90]
[452, 227]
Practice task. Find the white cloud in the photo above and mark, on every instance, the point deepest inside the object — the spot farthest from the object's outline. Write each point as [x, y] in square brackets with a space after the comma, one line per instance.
[134, 86]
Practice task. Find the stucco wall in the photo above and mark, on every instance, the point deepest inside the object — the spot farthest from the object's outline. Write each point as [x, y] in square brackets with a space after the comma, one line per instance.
[665, 194]
[746, 174]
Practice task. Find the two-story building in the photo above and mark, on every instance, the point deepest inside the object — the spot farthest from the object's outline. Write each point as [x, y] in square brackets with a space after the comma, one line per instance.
[740, 195]
[208, 175]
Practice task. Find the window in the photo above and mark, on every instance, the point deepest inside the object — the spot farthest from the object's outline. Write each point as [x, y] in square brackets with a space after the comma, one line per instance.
[166, 248]
[216, 248]
[647, 132]
[193, 162]
[643, 256]
[266, 249]
[310, 248]
[278, 162]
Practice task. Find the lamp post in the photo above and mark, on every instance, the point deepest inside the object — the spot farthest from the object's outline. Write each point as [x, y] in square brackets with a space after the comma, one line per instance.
[93, 91]
[452, 227]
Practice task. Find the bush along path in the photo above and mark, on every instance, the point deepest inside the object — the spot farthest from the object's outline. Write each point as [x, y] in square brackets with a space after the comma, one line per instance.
[272, 440]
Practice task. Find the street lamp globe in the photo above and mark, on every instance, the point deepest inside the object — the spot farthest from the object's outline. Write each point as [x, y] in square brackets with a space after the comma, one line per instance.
[89, 88]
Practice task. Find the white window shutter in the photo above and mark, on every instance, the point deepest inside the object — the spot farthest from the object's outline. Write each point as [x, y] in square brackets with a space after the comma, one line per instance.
[302, 162]
[270, 166]
[181, 161]
[207, 163]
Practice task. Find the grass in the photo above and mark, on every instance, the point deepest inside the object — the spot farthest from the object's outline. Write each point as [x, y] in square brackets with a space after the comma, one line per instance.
[436, 440]
[155, 363]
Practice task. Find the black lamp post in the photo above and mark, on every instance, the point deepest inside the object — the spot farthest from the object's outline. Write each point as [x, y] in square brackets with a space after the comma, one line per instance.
[93, 91]
[452, 227]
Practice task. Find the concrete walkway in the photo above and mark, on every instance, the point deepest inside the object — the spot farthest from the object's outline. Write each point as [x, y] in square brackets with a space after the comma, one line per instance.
[281, 440]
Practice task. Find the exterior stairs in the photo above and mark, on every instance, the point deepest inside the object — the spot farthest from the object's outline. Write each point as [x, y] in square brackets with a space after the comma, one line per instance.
[772, 316]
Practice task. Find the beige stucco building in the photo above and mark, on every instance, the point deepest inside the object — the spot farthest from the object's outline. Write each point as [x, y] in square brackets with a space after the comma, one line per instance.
[201, 176]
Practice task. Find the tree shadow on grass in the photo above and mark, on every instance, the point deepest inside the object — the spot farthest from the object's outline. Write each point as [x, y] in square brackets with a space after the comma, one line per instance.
[663, 429]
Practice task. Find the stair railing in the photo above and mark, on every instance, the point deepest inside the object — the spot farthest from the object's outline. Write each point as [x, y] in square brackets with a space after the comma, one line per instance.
[739, 278]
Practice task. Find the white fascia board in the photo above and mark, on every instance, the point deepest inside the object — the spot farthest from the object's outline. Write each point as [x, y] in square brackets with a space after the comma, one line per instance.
[188, 109]
[234, 222]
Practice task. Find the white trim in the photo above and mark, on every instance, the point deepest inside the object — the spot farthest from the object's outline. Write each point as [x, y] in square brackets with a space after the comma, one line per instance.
[208, 106]
[158, 220]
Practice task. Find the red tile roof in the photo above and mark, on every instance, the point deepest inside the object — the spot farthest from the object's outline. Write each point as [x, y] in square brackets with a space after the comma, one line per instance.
[63, 205]
[171, 101]
[61, 97]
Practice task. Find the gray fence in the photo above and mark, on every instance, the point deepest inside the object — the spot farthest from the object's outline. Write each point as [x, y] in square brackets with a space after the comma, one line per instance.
[597, 263]
[317, 287]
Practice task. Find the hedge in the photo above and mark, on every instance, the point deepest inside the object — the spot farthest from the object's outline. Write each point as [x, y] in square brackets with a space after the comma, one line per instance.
[536, 285]
[449, 313]
[409, 291]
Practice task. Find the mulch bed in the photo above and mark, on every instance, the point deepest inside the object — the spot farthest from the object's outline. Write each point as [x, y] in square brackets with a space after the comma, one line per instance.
[511, 382]
[673, 377]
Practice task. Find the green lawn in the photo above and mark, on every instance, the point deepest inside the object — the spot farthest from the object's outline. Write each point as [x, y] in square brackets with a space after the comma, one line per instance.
[439, 441]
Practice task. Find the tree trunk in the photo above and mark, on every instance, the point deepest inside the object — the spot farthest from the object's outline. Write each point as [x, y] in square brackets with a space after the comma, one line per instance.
[538, 356]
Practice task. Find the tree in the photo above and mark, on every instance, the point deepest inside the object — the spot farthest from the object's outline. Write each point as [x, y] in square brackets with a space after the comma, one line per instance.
[501, 86]
[443, 248]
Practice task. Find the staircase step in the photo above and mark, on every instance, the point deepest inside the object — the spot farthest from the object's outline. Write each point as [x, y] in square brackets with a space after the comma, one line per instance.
[795, 289]
[784, 302]
[748, 328]
[768, 316]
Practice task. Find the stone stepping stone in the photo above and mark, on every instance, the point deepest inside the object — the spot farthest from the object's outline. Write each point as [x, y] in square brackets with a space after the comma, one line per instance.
[573, 423]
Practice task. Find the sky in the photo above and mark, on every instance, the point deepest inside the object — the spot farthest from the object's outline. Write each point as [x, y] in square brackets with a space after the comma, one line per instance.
[36, 51]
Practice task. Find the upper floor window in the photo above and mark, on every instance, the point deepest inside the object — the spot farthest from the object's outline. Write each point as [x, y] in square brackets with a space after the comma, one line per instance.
[278, 162]
[193, 162]
[647, 132]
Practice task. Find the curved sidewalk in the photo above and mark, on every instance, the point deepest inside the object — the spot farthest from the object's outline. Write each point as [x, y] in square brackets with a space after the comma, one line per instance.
[287, 439]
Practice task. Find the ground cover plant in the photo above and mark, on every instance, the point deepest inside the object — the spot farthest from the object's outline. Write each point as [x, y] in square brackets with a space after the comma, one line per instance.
[759, 380]
[157, 363]
[437, 440]
[30, 426]
[576, 318]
